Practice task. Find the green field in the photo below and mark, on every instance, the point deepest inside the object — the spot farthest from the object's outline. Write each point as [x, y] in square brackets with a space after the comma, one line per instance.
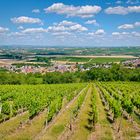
[97, 60]
[102, 111]
[108, 60]
[72, 59]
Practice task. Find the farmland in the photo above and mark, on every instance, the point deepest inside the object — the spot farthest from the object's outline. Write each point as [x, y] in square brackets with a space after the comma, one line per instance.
[92, 59]
[57, 59]
[69, 70]
[87, 111]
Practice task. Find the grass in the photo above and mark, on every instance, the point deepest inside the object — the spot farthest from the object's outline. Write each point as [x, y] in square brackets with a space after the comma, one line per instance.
[83, 128]
[128, 131]
[104, 131]
[60, 124]
[11, 125]
[29, 131]
[136, 118]
[58, 129]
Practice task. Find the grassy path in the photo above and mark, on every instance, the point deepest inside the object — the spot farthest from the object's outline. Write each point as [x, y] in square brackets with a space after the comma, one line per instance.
[103, 130]
[128, 130]
[30, 129]
[11, 125]
[82, 128]
[61, 122]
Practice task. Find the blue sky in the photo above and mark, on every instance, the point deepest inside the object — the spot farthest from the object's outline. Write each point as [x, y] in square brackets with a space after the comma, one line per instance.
[70, 22]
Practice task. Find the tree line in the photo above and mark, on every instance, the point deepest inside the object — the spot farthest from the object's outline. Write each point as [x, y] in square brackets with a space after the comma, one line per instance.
[115, 73]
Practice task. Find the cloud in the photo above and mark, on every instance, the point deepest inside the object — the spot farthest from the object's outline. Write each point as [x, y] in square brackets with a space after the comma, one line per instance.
[61, 33]
[24, 20]
[36, 11]
[115, 33]
[20, 28]
[73, 11]
[94, 22]
[99, 32]
[116, 10]
[129, 26]
[67, 26]
[137, 24]
[126, 26]
[134, 9]
[126, 34]
[34, 30]
[119, 2]
[3, 30]
[66, 23]
[120, 33]
[133, 2]
[16, 34]
[136, 34]
[120, 10]
[58, 29]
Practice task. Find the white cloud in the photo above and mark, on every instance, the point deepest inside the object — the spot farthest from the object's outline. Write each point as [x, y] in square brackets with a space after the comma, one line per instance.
[136, 34]
[66, 23]
[116, 10]
[34, 30]
[16, 34]
[94, 22]
[126, 34]
[137, 24]
[120, 33]
[119, 2]
[133, 2]
[20, 28]
[35, 11]
[115, 33]
[67, 26]
[78, 27]
[61, 33]
[129, 26]
[99, 32]
[24, 20]
[58, 29]
[72, 11]
[120, 10]
[134, 9]
[3, 30]
[126, 26]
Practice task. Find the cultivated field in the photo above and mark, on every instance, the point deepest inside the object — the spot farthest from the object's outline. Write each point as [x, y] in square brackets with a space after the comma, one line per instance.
[107, 56]
[86, 111]
[92, 59]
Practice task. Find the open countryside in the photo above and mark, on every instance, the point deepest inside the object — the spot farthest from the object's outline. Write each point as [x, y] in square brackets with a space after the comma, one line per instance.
[69, 70]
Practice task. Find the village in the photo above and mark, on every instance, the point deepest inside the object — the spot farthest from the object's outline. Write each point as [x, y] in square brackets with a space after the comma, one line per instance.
[41, 69]
[65, 67]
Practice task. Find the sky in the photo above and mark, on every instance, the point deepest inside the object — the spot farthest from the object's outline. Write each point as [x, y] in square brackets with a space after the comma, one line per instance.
[70, 22]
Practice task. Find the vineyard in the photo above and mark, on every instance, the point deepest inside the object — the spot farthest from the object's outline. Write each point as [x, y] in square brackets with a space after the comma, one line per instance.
[86, 111]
